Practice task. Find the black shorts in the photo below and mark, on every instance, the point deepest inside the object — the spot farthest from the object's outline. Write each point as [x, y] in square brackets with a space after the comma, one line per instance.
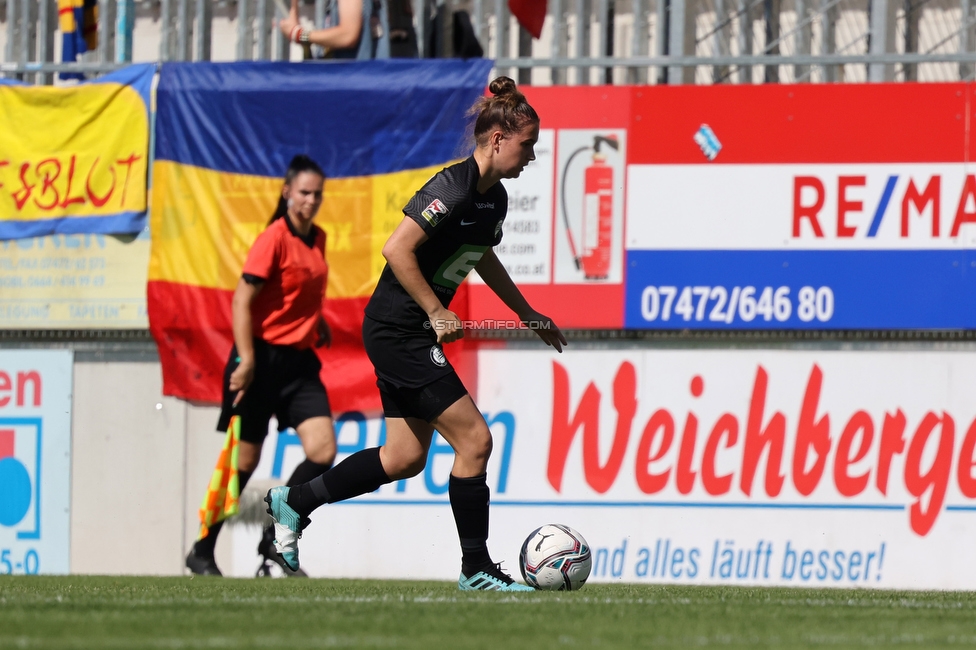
[425, 402]
[414, 377]
[404, 357]
[286, 385]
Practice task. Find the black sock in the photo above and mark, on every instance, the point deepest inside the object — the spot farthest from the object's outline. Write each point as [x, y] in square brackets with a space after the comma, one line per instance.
[361, 473]
[205, 547]
[306, 471]
[469, 501]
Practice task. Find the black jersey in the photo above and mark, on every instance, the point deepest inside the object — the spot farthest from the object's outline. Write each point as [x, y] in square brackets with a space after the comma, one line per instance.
[461, 225]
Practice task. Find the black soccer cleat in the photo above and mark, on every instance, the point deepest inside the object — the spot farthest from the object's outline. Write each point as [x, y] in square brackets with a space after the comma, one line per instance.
[202, 565]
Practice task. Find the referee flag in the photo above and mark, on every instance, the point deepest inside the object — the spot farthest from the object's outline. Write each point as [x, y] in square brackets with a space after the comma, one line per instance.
[223, 495]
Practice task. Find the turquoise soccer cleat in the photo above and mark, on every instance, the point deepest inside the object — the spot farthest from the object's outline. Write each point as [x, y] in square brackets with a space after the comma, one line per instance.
[288, 525]
[489, 579]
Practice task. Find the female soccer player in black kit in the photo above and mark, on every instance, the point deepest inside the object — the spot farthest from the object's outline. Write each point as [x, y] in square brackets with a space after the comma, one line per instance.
[451, 225]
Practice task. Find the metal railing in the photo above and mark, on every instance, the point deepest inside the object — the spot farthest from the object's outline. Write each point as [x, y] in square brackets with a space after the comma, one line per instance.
[583, 41]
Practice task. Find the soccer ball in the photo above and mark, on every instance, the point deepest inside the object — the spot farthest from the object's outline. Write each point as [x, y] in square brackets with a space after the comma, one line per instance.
[556, 558]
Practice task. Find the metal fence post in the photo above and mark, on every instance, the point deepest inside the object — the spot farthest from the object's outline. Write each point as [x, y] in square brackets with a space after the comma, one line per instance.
[478, 21]
[420, 26]
[261, 23]
[245, 45]
[801, 73]
[771, 11]
[582, 41]
[319, 17]
[280, 46]
[744, 75]
[557, 74]
[601, 10]
[502, 20]
[319, 22]
[965, 38]
[720, 72]
[165, 29]
[184, 24]
[125, 19]
[28, 31]
[913, 15]
[828, 18]
[676, 38]
[8, 48]
[202, 32]
[106, 31]
[878, 25]
[48, 20]
[638, 44]
[661, 37]
[524, 51]
[11, 51]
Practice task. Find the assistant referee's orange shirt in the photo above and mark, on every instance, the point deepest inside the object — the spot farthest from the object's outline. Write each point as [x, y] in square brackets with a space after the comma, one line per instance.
[287, 309]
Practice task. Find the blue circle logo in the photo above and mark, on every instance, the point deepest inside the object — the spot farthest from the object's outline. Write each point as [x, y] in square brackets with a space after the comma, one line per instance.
[15, 491]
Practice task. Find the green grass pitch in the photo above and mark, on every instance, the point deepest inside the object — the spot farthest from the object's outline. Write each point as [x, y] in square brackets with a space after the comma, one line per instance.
[142, 612]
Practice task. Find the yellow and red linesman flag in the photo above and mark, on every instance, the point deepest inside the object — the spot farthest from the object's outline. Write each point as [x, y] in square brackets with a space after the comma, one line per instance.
[223, 496]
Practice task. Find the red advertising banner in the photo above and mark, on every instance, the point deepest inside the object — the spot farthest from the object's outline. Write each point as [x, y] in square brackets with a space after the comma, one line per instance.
[846, 206]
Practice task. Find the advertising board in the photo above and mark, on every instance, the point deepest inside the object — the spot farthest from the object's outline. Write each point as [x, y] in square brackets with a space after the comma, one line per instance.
[35, 461]
[750, 467]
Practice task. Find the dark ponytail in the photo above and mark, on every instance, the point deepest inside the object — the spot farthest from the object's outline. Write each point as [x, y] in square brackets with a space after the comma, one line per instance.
[506, 109]
[299, 164]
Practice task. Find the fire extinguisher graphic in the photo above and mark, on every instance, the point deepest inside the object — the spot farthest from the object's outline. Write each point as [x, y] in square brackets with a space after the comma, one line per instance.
[593, 255]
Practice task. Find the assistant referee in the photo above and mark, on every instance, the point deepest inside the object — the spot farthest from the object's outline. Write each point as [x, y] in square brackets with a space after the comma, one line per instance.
[272, 369]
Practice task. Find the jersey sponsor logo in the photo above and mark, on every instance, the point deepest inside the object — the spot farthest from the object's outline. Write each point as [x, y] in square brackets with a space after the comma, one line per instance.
[485, 206]
[434, 212]
[455, 268]
[437, 356]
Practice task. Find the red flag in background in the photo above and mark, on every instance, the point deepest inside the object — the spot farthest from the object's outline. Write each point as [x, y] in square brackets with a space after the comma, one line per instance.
[531, 14]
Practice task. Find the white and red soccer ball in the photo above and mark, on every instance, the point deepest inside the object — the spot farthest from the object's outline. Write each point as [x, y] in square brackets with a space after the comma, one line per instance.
[555, 557]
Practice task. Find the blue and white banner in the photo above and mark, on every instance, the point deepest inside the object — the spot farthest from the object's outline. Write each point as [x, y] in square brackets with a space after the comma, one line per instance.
[795, 246]
[35, 461]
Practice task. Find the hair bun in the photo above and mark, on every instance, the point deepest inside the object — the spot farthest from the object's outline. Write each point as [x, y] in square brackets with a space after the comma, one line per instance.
[502, 86]
[301, 161]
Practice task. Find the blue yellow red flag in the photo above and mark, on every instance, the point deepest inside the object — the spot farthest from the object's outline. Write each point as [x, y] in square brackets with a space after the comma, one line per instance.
[224, 135]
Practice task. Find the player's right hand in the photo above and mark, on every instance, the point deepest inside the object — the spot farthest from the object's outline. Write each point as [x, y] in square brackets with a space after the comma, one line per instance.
[241, 378]
[446, 325]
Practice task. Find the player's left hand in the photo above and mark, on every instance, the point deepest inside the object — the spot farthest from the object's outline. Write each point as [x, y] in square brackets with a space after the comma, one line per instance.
[546, 329]
[325, 334]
